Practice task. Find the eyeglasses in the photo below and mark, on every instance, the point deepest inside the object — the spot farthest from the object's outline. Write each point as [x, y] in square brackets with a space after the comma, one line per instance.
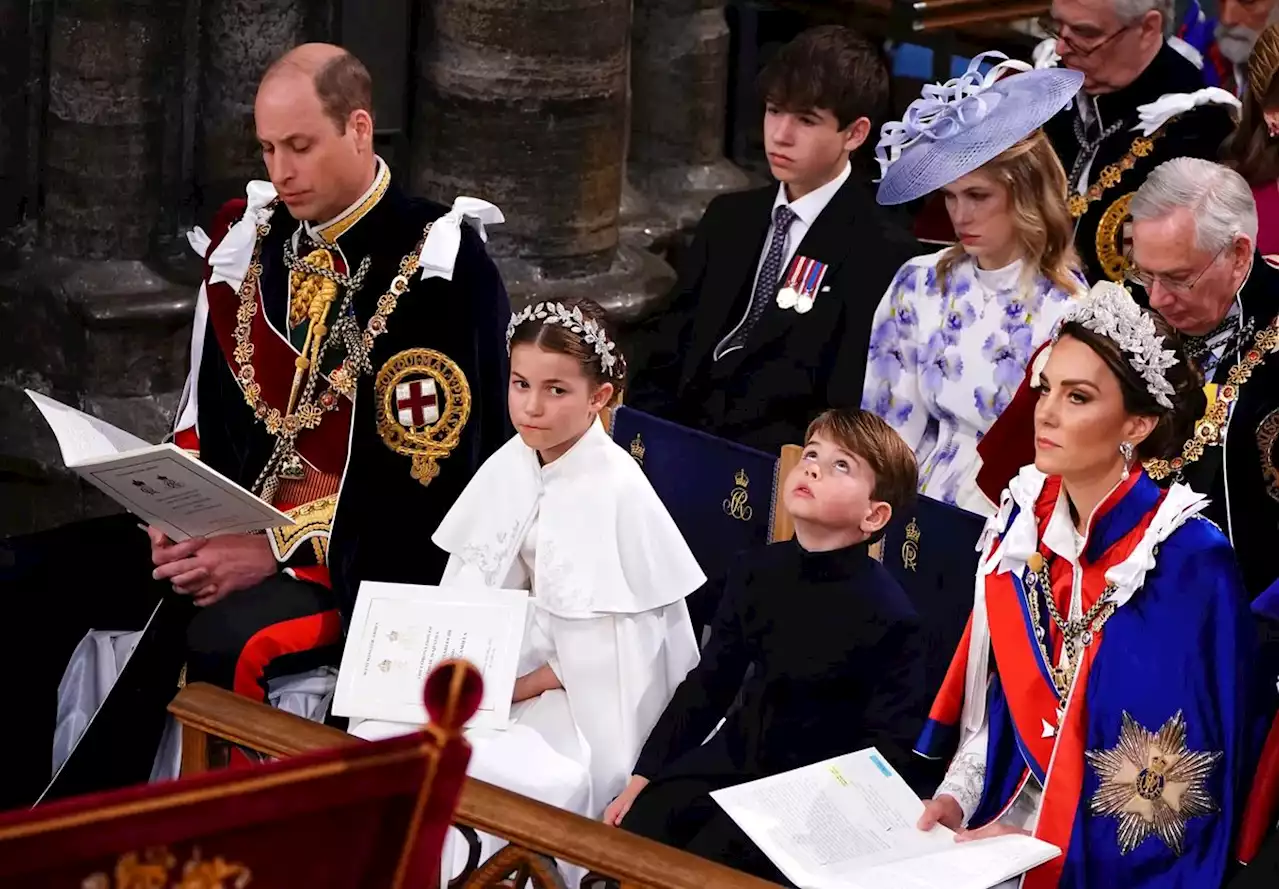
[1146, 280]
[1062, 31]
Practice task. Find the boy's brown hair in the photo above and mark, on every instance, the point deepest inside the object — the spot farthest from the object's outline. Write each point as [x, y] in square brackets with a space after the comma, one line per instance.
[865, 435]
[828, 68]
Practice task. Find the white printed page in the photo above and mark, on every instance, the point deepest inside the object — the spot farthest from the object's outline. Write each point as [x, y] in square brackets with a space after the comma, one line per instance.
[400, 632]
[171, 490]
[980, 864]
[850, 822]
[81, 437]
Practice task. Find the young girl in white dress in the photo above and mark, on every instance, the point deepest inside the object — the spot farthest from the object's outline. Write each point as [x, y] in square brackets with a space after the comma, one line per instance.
[952, 336]
[563, 511]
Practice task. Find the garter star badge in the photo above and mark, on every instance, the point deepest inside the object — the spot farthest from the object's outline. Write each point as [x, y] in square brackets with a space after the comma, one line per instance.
[424, 401]
[1152, 783]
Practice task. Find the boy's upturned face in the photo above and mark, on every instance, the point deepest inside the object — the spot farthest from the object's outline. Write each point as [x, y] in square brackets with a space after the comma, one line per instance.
[807, 149]
[832, 488]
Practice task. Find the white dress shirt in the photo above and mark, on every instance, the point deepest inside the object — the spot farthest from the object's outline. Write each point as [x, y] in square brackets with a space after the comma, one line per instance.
[807, 210]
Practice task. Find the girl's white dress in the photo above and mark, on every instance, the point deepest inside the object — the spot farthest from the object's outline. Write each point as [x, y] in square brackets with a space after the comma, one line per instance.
[608, 573]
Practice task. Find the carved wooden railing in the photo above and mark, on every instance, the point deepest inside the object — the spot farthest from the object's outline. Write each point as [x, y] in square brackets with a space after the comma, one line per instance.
[538, 835]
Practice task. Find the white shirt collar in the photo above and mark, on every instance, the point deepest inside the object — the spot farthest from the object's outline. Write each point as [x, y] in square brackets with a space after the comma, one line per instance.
[808, 207]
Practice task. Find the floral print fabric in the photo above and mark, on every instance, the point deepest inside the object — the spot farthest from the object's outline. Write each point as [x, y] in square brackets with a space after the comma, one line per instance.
[944, 363]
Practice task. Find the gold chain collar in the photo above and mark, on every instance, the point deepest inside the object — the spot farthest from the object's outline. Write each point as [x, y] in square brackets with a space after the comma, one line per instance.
[342, 381]
[1208, 430]
[1078, 204]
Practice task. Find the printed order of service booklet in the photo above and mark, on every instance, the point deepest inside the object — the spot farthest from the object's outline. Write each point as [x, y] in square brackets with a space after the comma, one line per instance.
[161, 484]
[850, 823]
[399, 632]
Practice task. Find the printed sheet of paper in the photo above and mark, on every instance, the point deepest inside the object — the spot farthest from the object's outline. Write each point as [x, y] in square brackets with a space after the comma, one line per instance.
[850, 823]
[399, 632]
[161, 484]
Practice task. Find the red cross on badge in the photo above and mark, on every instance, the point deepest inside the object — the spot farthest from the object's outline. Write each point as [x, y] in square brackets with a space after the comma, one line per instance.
[416, 403]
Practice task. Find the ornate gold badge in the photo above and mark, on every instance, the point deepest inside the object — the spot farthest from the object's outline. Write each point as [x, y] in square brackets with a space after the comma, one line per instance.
[637, 449]
[154, 869]
[736, 505]
[1113, 237]
[1152, 783]
[424, 401]
[310, 519]
[911, 546]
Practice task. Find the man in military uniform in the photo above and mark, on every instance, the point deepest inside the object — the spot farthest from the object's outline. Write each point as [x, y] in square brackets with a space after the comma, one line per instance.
[348, 366]
[1142, 103]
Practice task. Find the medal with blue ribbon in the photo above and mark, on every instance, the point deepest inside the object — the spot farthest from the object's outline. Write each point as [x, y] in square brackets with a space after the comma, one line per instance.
[803, 281]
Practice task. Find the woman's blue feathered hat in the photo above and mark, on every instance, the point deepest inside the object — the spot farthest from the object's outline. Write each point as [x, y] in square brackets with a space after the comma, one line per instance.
[956, 127]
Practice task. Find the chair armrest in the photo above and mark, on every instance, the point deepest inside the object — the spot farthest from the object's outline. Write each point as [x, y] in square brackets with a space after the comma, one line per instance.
[635, 862]
[232, 717]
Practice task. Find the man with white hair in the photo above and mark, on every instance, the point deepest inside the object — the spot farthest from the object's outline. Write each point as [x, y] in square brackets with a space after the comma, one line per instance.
[1194, 234]
[1225, 43]
[1142, 103]
[1194, 230]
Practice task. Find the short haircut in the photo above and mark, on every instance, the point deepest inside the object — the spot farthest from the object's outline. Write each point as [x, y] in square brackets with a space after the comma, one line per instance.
[865, 435]
[1129, 11]
[828, 68]
[1218, 198]
[344, 87]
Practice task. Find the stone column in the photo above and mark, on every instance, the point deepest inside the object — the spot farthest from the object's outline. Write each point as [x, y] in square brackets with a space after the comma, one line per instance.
[239, 39]
[14, 53]
[679, 84]
[92, 320]
[523, 103]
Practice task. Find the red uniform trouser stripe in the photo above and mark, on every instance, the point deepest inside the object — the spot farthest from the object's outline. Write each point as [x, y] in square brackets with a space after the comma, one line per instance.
[301, 634]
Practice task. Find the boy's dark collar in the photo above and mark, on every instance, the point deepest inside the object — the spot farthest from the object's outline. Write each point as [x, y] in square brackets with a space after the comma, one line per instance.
[831, 564]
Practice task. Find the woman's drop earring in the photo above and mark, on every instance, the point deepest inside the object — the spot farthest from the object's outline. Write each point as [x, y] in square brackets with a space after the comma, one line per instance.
[1126, 453]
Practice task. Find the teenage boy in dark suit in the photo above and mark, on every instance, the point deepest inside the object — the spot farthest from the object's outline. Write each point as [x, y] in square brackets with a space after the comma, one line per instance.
[771, 316]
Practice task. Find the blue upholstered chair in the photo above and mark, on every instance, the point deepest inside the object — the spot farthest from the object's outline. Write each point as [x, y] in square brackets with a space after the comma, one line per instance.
[719, 493]
[930, 548]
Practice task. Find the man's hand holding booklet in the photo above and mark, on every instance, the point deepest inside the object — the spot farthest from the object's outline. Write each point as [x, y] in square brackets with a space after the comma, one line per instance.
[850, 823]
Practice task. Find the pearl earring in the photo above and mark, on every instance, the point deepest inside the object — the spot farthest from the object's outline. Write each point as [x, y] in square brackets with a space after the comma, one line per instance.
[1126, 453]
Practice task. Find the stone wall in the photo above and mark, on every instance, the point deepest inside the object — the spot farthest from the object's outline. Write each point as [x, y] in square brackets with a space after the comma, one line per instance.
[125, 122]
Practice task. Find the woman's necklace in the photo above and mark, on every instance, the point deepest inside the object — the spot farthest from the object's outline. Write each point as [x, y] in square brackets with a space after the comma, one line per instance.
[1077, 634]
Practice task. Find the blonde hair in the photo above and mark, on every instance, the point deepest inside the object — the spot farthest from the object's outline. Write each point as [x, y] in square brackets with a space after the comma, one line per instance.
[1037, 186]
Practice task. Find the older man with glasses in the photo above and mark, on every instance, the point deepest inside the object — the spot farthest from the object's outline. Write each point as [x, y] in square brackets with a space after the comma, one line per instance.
[1142, 103]
[1194, 230]
[1194, 233]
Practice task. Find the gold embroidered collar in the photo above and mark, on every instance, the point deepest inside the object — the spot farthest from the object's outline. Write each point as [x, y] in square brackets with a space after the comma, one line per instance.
[329, 232]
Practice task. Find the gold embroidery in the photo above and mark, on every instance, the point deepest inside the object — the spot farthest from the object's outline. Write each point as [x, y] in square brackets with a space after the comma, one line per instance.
[154, 869]
[1152, 783]
[1268, 431]
[1108, 240]
[637, 449]
[340, 227]
[736, 506]
[1111, 175]
[342, 381]
[423, 402]
[309, 519]
[911, 546]
[310, 291]
[1208, 431]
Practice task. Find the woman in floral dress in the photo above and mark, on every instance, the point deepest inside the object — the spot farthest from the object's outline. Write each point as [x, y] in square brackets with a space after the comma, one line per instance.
[952, 336]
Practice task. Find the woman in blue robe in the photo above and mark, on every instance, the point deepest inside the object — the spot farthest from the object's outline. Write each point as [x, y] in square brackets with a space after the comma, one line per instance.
[1097, 700]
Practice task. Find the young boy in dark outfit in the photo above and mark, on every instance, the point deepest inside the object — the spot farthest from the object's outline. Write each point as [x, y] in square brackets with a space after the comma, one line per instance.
[770, 320]
[832, 638]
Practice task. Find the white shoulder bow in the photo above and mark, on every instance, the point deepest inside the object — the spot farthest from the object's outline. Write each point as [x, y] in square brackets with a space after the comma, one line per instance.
[440, 249]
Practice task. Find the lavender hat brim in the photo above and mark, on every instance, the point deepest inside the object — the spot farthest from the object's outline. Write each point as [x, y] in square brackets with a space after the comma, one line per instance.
[971, 131]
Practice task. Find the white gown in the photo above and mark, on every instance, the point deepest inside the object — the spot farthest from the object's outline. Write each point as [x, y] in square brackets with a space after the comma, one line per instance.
[608, 573]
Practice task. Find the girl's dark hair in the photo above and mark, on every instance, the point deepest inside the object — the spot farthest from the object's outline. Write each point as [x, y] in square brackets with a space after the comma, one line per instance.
[560, 339]
[1173, 427]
